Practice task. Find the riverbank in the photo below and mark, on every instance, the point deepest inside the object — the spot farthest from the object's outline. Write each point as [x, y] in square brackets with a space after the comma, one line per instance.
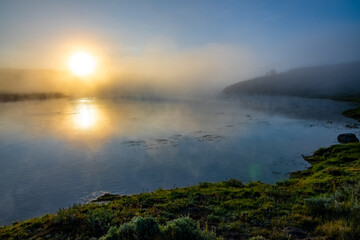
[322, 201]
[354, 112]
[14, 97]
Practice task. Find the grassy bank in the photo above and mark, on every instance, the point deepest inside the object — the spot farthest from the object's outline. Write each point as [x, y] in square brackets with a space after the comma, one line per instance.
[353, 113]
[323, 200]
[14, 97]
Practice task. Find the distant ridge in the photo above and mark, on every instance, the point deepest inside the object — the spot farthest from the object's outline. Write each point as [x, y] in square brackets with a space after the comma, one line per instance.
[317, 81]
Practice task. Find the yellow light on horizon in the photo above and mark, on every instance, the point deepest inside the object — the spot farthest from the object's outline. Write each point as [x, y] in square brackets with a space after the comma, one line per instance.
[82, 64]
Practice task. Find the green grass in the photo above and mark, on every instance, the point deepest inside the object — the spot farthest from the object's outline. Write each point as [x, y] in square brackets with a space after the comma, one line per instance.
[353, 113]
[324, 200]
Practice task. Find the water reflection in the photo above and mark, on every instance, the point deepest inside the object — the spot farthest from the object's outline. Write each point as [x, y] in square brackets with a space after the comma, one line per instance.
[55, 152]
[87, 115]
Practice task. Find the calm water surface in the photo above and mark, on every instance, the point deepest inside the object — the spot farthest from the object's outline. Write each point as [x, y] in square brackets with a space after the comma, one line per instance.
[59, 152]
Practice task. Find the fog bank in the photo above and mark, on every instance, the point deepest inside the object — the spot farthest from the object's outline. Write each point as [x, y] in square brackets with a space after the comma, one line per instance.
[157, 71]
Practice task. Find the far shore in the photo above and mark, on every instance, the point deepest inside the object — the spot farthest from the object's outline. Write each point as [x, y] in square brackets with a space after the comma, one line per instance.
[14, 97]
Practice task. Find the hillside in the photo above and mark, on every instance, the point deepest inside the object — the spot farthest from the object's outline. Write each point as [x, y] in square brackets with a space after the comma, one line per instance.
[318, 81]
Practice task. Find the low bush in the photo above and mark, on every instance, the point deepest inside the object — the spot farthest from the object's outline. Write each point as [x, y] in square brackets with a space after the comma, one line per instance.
[147, 228]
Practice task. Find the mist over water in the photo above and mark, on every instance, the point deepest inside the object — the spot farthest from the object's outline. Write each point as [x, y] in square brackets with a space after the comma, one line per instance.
[127, 97]
[58, 152]
[162, 70]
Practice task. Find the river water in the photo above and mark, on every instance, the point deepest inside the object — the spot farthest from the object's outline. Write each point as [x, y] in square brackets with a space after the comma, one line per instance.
[59, 152]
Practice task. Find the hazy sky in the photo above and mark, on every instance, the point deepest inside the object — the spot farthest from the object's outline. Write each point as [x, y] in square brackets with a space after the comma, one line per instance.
[271, 34]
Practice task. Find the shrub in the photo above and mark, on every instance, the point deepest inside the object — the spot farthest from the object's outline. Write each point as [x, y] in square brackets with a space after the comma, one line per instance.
[68, 219]
[138, 228]
[336, 230]
[257, 238]
[146, 228]
[233, 183]
[318, 206]
[127, 231]
[112, 234]
[204, 185]
[99, 220]
[185, 228]
[341, 212]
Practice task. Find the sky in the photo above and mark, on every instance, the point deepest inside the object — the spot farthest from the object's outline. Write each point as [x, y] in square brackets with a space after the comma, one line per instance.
[245, 38]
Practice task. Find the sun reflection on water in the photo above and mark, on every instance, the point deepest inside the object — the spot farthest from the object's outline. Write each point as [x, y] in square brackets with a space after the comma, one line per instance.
[87, 115]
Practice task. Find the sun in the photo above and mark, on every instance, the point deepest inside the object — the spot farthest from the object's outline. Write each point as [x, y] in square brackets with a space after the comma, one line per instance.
[82, 64]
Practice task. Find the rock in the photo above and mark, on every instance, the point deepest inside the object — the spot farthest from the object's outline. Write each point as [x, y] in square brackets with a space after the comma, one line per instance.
[347, 138]
[295, 233]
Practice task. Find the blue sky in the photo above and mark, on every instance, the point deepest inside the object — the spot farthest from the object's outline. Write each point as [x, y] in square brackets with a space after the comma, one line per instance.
[283, 34]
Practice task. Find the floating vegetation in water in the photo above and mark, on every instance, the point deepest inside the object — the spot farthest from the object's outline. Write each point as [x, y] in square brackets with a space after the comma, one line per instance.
[174, 140]
[134, 143]
[162, 140]
[209, 138]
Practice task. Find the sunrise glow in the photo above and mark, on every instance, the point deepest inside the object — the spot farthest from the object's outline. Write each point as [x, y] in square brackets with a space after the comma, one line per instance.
[82, 64]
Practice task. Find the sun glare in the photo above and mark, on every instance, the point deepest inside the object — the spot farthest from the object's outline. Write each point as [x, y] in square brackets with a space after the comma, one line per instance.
[82, 64]
[87, 115]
